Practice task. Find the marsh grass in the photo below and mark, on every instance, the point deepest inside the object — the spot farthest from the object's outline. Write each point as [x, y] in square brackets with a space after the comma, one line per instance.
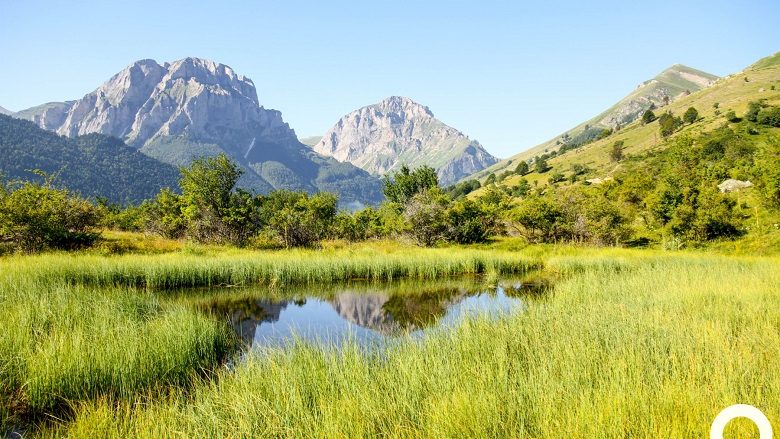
[79, 327]
[241, 267]
[652, 347]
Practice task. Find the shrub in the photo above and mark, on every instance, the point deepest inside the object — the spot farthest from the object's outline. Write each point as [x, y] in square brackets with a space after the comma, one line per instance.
[616, 153]
[522, 168]
[648, 117]
[691, 115]
[769, 116]
[35, 217]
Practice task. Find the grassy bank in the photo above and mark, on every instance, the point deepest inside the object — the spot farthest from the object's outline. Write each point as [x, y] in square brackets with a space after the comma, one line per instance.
[82, 326]
[652, 346]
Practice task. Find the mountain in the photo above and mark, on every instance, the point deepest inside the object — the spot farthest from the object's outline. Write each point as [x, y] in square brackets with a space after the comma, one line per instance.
[311, 140]
[6, 112]
[668, 86]
[398, 131]
[93, 165]
[759, 82]
[193, 107]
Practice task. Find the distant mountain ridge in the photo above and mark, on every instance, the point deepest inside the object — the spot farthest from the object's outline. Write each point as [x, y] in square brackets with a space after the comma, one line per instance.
[397, 131]
[5, 111]
[668, 86]
[193, 107]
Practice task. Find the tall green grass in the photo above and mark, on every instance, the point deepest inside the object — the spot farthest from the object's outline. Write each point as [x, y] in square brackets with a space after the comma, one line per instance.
[177, 270]
[647, 348]
[64, 343]
[78, 327]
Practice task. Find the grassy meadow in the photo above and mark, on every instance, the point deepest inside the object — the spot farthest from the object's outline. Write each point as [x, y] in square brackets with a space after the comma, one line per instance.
[630, 343]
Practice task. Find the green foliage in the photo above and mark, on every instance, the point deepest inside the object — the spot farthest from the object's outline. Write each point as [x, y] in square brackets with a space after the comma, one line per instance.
[491, 179]
[463, 188]
[731, 116]
[616, 153]
[297, 218]
[606, 132]
[556, 177]
[647, 117]
[769, 116]
[426, 213]
[668, 124]
[541, 166]
[572, 215]
[522, 168]
[35, 217]
[92, 165]
[691, 115]
[401, 186]
[753, 109]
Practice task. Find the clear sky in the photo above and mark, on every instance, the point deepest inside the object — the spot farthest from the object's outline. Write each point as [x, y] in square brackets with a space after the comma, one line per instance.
[510, 74]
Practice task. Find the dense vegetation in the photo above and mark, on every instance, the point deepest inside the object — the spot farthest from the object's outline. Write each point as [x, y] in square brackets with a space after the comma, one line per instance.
[93, 165]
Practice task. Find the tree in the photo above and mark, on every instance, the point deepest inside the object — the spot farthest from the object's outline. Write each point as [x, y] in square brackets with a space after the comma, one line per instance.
[401, 186]
[522, 168]
[616, 153]
[647, 117]
[298, 219]
[668, 124]
[213, 210]
[427, 214]
[540, 165]
[35, 217]
[691, 115]
[491, 179]
[731, 116]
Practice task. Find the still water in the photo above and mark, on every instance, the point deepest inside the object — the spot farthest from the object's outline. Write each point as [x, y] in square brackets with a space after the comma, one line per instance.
[364, 312]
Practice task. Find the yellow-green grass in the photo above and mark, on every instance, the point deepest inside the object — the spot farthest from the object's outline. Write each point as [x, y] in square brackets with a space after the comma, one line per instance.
[237, 267]
[79, 326]
[731, 93]
[629, 344]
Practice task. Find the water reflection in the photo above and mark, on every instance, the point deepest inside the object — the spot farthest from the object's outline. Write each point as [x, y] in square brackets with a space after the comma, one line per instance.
[364, 312]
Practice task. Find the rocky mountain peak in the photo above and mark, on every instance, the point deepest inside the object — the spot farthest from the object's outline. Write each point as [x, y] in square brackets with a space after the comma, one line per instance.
[397, 131]
[403, 105]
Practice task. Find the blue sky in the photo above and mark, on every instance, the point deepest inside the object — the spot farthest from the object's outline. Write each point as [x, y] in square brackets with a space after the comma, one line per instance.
[510, 74]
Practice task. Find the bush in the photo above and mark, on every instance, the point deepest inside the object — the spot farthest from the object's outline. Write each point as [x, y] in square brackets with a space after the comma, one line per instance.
[731, 116]
[522, 168]
[299, 219]
[35, 217]
[616, 153]
[690, 116]
[427, 215]
[401, 186]
[648, 117]
[769, 116]
[668, 124]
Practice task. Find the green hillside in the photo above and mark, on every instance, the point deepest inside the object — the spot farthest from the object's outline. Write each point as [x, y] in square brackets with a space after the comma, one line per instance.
[668, 86]
[725, 141]
[93, 165]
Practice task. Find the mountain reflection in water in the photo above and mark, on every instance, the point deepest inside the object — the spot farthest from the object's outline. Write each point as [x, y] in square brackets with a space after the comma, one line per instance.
[365, 314]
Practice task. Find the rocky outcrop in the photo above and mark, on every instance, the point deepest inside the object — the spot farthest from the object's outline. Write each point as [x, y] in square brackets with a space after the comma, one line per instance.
[732, 185]
[194, 107]
[380, 138]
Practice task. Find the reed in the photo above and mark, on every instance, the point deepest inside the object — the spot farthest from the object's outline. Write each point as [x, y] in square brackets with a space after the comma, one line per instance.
[649, 347]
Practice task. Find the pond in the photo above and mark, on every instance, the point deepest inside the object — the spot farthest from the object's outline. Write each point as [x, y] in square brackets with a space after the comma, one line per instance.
[368, 313]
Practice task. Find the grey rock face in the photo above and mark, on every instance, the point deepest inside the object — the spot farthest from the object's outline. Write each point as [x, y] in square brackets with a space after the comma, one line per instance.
[398, 131]
[194, 107]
